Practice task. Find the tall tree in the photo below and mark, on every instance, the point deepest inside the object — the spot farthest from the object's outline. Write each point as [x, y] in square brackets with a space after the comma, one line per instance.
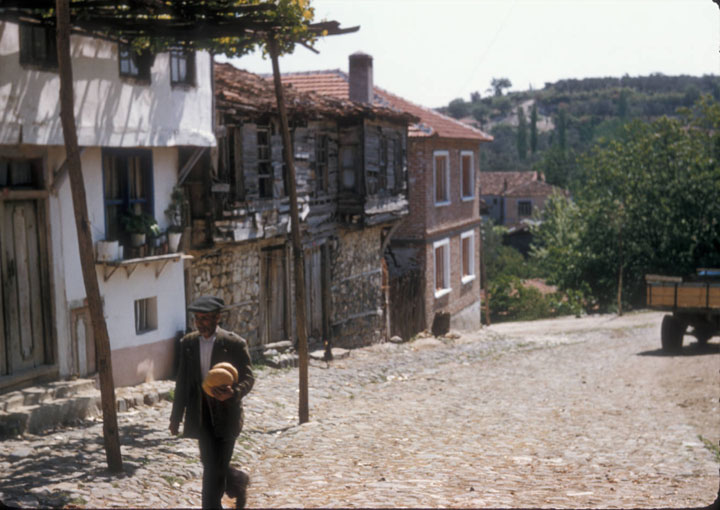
[561, 128]
[458, 108]
[498, 84]
[533, 128]
[521, 134]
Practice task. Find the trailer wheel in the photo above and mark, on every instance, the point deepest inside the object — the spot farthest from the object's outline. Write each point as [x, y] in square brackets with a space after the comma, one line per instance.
[671, 334]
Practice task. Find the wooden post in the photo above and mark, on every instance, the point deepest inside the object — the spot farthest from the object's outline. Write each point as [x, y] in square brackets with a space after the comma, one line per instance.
[299, 265]
[87, 259]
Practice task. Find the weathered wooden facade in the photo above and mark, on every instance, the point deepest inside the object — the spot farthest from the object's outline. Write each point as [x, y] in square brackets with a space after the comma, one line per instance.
[433, 257]
[350, 161]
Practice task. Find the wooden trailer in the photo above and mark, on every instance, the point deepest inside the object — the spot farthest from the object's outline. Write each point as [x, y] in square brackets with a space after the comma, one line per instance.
[693, 301]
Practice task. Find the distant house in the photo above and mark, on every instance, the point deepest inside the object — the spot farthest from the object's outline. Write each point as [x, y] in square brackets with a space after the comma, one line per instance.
[351, 182]
[433, 257]
[135, 115]
[511, 199]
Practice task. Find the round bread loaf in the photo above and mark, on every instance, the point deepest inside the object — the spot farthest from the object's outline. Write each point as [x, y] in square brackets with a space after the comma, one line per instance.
[216, 377]
[229, 367]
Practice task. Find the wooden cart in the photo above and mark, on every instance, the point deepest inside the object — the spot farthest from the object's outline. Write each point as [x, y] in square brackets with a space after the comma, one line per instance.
[693, 301]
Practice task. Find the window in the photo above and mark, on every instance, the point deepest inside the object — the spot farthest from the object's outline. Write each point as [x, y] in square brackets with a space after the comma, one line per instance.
[127, 184]
[321, 163]
[468, 175]
[467, 244]
[21, 173]
[441, 173]
[524, 208]
[38, 46]
[145, 315]
[182, 67]
[442, 267]
[347, 161]
[265, 174]
[133, 64]
[383, 164]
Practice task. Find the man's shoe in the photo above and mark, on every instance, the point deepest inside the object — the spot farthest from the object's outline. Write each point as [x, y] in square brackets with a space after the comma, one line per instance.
[237, 482]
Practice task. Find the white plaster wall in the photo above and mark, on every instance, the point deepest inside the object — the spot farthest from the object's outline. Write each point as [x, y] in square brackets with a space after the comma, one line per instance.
[109, 111]
[121, 291]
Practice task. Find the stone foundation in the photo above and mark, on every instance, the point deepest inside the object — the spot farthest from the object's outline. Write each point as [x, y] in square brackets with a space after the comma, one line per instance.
[232, 273]
[357, 300]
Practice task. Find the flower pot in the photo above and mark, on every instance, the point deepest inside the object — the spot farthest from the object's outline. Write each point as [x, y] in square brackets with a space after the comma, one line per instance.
[174, 241]
[107, 251]
[137, 240]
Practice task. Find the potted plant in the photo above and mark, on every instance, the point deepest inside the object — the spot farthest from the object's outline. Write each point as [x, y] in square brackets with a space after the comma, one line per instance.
[175, 217]
[107, 250]
[139, 225]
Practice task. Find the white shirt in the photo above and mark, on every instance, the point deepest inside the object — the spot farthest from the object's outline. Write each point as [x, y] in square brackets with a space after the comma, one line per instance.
[206, 347]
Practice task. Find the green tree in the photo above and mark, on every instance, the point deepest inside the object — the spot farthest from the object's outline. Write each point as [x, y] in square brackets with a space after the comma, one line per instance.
[458, 108]
[498, 84]
[622, 110]
[561, 128]
[521, 134]
[533, 129]
[649, 203]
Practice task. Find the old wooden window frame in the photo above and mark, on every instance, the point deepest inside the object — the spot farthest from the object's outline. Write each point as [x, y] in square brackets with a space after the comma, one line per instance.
[182, 67]
[524, 208]
[38, 46]
[467, 176]
[146, 316]
[348, 167]
[441, 183]
[134, 65]
[134, 170]
[264, 162]
[322, 163]
[442, 267]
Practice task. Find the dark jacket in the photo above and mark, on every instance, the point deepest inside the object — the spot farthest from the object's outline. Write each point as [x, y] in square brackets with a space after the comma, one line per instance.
[226, 417]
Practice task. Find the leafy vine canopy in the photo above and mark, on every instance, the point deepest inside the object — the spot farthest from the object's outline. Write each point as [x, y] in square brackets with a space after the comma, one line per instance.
[230, 27]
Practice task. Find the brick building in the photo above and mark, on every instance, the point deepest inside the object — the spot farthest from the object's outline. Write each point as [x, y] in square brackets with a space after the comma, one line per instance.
[433, 256]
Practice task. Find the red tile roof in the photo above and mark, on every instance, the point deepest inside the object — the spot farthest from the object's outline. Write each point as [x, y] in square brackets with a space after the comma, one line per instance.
[521, 184]
[335, 83]
[253, 95]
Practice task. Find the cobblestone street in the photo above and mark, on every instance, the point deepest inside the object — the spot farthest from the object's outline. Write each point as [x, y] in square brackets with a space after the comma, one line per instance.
[564, 413]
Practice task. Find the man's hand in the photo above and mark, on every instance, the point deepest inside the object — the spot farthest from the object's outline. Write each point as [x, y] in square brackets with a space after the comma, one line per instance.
[222, 393]
[174, 428]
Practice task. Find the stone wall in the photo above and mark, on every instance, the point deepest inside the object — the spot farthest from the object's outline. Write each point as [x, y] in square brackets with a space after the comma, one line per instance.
[232, 273]
[356, 288]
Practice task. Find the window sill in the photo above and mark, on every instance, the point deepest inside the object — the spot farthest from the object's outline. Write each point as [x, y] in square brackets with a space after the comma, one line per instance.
[468, 278]
[468, 199]
[442, 292]
[159, 261]
[442, 204]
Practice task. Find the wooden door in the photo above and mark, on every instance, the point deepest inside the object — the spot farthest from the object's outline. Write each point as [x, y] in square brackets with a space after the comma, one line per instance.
[274, 275]
[314, 262]
[23, 267]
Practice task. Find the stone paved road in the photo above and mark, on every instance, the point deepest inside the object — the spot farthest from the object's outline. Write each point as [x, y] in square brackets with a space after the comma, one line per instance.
[565, 413]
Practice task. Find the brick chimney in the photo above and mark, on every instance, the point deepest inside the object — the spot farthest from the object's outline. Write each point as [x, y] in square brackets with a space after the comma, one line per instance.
[361, 77]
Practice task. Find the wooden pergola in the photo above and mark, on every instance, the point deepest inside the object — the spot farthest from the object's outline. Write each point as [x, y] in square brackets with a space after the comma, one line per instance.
[232, 27]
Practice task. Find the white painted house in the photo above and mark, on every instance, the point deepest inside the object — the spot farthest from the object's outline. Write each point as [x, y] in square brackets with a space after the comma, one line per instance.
[139, 119]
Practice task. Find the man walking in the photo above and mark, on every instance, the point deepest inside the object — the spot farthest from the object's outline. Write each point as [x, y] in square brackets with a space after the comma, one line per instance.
[214, 420]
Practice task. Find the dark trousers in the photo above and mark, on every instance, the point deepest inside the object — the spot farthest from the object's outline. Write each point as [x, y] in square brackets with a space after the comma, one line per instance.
[215, 454]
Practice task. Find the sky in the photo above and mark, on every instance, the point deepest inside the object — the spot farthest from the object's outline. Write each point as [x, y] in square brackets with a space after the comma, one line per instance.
[433, 51]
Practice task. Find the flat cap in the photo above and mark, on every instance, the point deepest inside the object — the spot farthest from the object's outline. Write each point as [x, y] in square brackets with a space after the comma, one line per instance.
[207, 304]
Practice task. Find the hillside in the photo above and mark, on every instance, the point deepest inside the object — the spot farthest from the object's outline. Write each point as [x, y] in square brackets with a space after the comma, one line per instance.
[548, 129]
